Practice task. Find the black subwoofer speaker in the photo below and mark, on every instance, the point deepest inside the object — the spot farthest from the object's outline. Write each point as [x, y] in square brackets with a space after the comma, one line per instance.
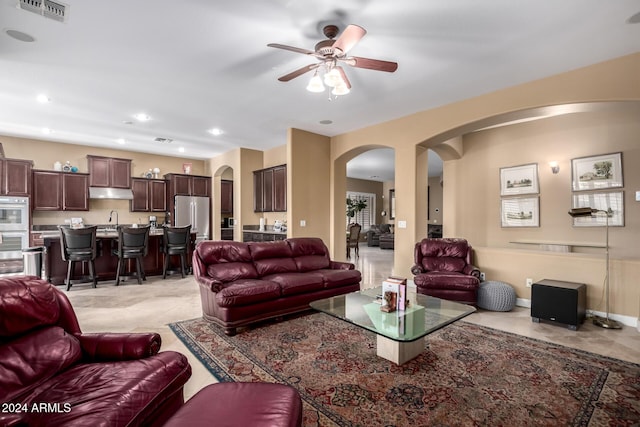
[559, 301]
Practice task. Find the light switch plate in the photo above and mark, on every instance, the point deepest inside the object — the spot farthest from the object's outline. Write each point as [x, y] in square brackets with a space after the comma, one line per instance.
[303, 223]
[637, 196]
[402, 224]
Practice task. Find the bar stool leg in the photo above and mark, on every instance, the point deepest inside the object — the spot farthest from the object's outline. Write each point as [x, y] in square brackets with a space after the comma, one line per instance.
[92, 273]
[118, 271]
[69, 270]
[183, 262]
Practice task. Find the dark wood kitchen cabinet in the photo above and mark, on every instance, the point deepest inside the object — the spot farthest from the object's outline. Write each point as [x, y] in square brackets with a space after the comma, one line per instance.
[270, 189]
[60, 191]
[109, 172]
[149, 195]
[188, 185]
[226, 197]
[15, 177]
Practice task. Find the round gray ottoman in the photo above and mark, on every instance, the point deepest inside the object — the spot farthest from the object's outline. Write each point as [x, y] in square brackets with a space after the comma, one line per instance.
[496, 296]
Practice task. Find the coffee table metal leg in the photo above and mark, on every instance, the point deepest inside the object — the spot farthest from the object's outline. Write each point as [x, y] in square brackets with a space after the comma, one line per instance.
[399, 352]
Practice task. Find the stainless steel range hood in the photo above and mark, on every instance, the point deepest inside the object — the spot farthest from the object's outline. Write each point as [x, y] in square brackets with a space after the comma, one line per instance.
[110, 193]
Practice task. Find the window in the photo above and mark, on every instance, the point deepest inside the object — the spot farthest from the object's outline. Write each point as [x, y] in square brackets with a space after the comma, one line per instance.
[365, 217]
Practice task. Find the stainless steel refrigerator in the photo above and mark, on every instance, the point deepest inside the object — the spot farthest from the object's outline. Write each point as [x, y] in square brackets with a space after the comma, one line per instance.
[195, 211]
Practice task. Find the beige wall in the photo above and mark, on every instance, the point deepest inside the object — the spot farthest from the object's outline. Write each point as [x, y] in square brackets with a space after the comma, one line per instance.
[308, 186]
[45, 153]
[615, 80]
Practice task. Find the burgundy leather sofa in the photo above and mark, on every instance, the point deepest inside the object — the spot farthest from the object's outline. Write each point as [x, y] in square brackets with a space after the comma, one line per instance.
[443, 269]
[52, 374]
[242, 283]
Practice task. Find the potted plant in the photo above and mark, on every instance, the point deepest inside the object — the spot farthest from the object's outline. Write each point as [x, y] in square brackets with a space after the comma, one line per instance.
[355, 206]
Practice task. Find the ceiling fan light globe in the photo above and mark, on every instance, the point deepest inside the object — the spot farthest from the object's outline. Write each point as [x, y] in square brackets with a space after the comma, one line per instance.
[340, 89]
[315, 84]
[333, 78]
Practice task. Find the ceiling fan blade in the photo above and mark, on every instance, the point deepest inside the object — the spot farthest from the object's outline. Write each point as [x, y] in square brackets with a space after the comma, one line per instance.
[293, 49]
[348, 39]
[345, 79]
[371, 64]
[300, 71]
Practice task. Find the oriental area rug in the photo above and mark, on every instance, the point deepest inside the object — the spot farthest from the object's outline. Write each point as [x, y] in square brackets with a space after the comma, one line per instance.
[468, 375]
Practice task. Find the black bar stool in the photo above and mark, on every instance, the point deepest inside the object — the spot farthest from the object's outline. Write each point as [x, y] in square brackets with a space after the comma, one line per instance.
[78, 244]
[133, 243]
[176, 242]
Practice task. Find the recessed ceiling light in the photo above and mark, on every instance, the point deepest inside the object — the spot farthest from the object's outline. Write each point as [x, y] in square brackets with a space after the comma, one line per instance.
[142, 117]
[121, 141]
[47, 131]
[326, 122]
[20, 36]
[216, 131]
[43, 99]
[127, 122]
[181, 149]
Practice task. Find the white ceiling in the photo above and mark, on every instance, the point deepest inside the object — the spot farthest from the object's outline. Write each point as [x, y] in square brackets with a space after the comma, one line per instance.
[193, 65]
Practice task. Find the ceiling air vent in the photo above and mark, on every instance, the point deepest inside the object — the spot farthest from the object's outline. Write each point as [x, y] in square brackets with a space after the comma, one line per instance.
[165, 140]
[47, 8]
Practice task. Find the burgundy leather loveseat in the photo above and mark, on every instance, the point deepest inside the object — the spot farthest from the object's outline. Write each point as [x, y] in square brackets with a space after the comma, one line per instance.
[443, 269]
[52, 374]
[242, 283]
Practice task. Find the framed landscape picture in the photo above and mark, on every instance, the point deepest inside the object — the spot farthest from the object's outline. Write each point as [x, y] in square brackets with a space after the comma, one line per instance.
[520, 212]
[519, 180]
[597, 172]
[611, 202]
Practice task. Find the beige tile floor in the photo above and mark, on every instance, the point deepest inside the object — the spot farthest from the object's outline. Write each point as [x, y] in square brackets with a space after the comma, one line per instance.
[156, 303]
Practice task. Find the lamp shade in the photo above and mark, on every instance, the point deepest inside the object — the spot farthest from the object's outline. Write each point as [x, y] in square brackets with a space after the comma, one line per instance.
[577, 212]
[315, 84]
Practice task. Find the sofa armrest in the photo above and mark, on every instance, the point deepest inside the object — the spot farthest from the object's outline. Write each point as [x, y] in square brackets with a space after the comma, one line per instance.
[338, 265]
[214, 285]
[471, 270]
[417, 269]
[119, 346]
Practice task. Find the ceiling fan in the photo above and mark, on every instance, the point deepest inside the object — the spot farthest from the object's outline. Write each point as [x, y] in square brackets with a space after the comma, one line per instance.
[330, 54]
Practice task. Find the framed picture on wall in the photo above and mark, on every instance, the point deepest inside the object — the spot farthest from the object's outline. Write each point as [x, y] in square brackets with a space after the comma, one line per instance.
[520, 212]
[597, 172]
[611, 203]
[518, 180]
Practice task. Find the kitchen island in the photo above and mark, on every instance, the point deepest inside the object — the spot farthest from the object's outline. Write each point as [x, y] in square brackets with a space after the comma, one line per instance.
[106, 263]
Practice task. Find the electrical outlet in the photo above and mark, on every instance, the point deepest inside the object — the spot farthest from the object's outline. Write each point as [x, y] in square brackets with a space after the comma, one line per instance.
[529, 282]
[482, 276]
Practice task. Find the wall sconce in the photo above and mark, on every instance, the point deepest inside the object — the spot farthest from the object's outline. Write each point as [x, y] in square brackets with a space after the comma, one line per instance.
[555, 168]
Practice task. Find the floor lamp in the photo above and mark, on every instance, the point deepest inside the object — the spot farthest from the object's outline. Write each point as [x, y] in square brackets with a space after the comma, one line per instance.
[603, 322]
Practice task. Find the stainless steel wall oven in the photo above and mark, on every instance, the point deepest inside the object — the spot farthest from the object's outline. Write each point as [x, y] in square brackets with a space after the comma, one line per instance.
[14, 232]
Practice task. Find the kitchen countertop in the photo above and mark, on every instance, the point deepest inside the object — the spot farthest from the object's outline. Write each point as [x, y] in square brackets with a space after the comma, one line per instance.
[102, 233]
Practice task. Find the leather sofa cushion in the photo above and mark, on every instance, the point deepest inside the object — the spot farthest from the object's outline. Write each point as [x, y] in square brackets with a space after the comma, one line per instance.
[272, 257]
[232, 271]
[34, 358]
[337, 278]
[247, 292]
[25, 306]
[447, 280]
[112, 393]
[297, 283]
[241, 404]
[310, 253]
[456, 248]
[443, 263]
[214, 252]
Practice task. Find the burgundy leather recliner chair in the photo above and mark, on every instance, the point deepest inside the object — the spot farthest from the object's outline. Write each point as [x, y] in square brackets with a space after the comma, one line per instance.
[443, 269]
[52, 374]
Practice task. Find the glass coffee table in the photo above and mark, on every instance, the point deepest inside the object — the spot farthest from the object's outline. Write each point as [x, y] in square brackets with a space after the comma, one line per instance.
[399, 334]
